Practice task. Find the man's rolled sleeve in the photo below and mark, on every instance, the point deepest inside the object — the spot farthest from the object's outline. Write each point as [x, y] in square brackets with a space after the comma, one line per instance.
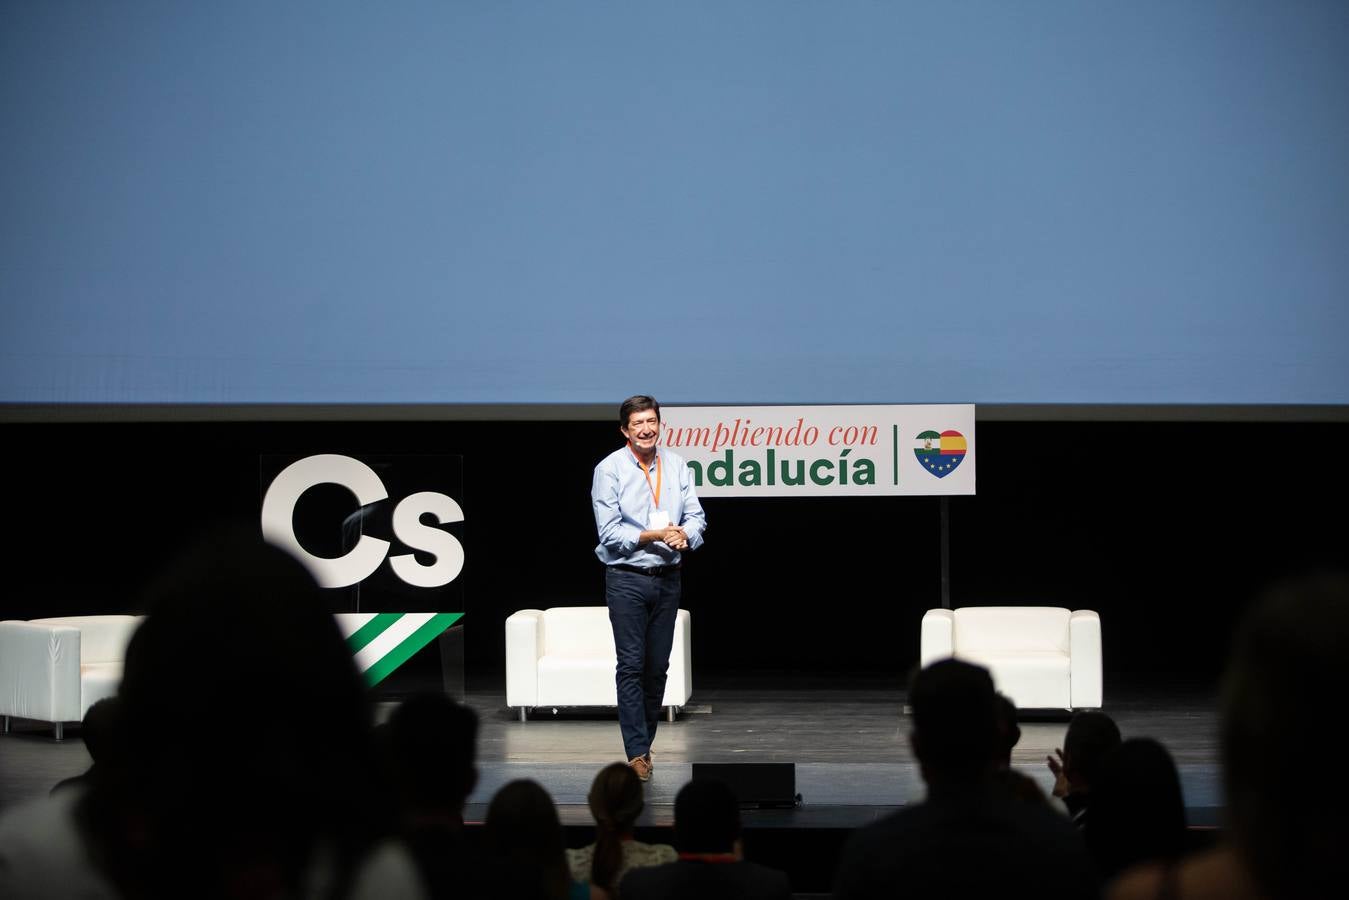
[622, 538]
[695, 520]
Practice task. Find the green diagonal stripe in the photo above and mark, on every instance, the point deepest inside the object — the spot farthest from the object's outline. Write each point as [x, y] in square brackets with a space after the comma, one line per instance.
[371, 630]
[415, 641]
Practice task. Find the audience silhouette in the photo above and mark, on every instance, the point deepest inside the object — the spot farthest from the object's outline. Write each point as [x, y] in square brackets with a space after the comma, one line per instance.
[969, 837]
[711, 864]
[525, 850]
[615, 801]
[238, 760]
[1286, 828]
[246, 767]
[1018, 784]
[101, 730]
[1091, 737]
[1137, 809]
[430, 745]
[1009, 730]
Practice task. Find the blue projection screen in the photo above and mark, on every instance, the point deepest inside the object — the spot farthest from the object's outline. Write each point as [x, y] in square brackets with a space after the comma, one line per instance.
[717, 202]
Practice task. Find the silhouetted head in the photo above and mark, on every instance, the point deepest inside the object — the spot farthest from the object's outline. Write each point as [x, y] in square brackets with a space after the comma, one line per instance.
[246, 723]
[102, 728]
[1282, 723]
[615, 801]
[707, 817]
[1009, 732]
[523, 839]
[1091, 736]
[105, 739]
[431, 745]
[1137, 809]
[955, 731]
[615, 797]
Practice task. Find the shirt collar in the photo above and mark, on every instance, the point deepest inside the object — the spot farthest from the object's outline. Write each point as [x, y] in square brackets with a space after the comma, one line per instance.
[633, 458]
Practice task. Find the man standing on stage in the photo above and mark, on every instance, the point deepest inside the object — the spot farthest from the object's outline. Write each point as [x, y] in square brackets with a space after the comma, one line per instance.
[647, 513]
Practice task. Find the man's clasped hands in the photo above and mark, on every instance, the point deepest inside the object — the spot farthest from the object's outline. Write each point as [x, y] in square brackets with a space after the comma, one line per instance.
[675, 537]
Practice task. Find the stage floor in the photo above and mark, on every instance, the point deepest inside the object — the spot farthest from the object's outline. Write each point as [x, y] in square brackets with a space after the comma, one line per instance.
[847, 739]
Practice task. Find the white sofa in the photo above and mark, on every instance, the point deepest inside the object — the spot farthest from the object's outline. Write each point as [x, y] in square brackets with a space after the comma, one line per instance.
[53, 670]
[1041, 657]
[565, 657]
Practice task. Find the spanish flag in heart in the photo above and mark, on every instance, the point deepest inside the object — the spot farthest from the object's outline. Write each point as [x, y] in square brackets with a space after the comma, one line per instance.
[940, 453]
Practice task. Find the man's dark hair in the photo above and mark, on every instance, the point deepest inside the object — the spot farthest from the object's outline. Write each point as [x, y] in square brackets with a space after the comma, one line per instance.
[1091, 736]
[707, 817]
[954, 718]
[636, 403]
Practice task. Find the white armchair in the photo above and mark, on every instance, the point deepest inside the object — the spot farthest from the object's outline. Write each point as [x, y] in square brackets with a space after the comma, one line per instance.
[53, 670]
[1041, 657]
[565, 657]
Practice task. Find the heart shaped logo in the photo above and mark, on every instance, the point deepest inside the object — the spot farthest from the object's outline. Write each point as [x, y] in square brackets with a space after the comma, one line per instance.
[940, 453]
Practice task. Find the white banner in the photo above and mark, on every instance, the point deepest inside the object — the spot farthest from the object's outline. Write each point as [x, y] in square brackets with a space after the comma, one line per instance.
[824, 451]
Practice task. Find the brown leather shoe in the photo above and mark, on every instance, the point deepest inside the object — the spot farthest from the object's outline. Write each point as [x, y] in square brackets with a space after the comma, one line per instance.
[641, 766]
[649, 763]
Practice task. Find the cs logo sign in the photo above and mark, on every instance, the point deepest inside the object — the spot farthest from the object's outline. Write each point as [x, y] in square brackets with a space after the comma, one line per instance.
[278, 526]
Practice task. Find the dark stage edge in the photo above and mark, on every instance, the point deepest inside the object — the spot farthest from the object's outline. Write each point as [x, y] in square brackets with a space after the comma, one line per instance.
[849, 744]
[847, 740]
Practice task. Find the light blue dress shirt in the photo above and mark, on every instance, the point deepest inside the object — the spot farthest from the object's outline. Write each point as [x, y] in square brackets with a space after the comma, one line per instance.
[623, 504]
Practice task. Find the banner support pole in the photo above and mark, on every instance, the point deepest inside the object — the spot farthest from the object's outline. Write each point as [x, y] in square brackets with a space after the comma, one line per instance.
[945, 552]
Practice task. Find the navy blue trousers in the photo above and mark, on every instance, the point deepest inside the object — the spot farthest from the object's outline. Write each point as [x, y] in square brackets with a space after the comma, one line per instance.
[642, 611]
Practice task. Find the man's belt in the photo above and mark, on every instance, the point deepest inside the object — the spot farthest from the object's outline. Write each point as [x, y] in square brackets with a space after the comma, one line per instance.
[652, 571]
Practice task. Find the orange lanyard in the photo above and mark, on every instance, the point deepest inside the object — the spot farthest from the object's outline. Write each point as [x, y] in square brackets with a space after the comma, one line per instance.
[655, 491]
